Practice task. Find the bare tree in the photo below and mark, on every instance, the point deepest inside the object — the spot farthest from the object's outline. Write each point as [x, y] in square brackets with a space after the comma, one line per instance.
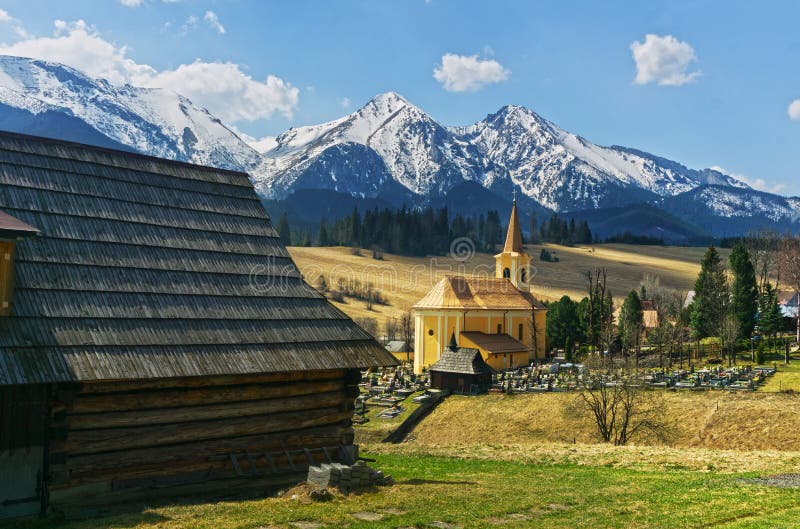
[391, 327]
[728, 335]
[622, 409]
[762, 246]
[368, 324]
[407, 332]
[789, 267]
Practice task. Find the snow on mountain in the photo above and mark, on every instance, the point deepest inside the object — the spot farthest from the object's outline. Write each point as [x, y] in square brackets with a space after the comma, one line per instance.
[514, 147]
[417, 152]
[388, 149]
[152, 121]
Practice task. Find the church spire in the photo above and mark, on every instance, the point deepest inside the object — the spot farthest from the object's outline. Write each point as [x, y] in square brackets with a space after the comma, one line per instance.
[514, 235]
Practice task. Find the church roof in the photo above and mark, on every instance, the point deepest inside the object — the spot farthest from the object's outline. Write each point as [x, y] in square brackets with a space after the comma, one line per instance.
[495, 343]
[463, 361]
[514, 234]
[147, 268]
[471, 292]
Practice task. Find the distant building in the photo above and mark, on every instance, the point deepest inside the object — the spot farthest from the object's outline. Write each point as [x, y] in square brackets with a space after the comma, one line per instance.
[788, 302]
[461, 370]
[401, 350]
[494, 315]
[156, 338]
[649, 314]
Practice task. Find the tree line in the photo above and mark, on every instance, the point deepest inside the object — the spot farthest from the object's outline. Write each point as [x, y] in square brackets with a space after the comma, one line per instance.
[734, 308]
[413, 232]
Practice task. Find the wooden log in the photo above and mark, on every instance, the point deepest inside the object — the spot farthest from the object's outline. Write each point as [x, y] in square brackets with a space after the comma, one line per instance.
[212, 468]
[100, 499]
[115, 439]
[322, 436]
[248, 408]
[173, 398]
[114, 386]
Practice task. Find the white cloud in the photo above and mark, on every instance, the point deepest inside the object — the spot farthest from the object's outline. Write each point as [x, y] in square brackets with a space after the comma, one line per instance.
[213, 21]
[756, 183]
[794, 110]
[461, 73]
[663, 60]
[131, 3]
[345, 102]
[224, 88]
[4, 16]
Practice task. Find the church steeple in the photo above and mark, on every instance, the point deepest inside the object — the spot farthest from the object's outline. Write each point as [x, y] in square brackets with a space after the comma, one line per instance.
[512, 263]
[514, 234]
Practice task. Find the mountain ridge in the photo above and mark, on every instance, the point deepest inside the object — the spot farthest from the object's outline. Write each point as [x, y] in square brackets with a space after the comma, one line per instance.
[389, 151]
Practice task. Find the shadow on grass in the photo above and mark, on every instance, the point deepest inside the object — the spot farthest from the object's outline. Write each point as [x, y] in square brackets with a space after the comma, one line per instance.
[434, 482]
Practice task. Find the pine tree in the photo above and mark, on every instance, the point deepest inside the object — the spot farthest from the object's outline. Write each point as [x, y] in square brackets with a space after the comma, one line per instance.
[323, 239]
[563, 321]
[710, 296]
[770, 317]
[744, 293]
[283, 230]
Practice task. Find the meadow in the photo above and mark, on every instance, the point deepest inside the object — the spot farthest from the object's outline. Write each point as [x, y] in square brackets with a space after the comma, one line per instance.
[505, 490]
[405, 280]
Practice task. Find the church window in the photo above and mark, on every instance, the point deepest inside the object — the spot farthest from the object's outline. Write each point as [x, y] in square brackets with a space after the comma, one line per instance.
[523, 276]
[499, 328]
[430, 332]
[520, 332]
[506, 273]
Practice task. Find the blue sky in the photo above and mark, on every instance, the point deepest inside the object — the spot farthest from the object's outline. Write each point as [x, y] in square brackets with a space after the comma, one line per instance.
[715, 80]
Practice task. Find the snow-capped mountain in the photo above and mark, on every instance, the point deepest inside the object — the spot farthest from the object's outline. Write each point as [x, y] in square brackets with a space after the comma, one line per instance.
[389, 150]
[513, 148]
[152, 121]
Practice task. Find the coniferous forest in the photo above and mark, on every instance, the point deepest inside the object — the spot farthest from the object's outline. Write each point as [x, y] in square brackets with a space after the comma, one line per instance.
[429, 231]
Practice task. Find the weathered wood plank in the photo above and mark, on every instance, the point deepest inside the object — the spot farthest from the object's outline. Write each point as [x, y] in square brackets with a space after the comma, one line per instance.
[173, 398]
[200, 382]
[145, 417]
[330, 435]
[116, 439]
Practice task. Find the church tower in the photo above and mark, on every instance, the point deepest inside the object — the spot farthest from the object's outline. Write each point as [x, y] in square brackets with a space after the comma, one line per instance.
[513, 263]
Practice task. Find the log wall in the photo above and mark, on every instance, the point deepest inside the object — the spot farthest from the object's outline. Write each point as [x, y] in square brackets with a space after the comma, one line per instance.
[110, 443]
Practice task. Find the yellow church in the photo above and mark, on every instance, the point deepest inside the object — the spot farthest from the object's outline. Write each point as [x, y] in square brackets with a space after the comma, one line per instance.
[492, 314]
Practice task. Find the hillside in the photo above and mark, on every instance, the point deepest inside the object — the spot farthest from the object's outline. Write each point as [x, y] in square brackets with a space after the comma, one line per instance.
[405, 280]
[714, 420]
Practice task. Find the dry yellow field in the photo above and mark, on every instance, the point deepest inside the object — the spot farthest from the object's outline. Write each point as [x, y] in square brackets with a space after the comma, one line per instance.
[715, 420]
[404, 280]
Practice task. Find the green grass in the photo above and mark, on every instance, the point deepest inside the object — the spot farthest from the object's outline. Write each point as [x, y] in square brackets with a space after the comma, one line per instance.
[476, 493]
[787, 378]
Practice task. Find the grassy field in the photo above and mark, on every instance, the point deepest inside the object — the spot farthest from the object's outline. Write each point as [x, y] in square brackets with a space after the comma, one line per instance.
[481, 492]
[404, 280]
[718, 420]
[788, 379]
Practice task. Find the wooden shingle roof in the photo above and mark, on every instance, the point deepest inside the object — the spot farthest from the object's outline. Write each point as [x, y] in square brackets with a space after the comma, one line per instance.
[148, 268]
[495, 343]
[474, 292]
[11, 228]
[461, 360]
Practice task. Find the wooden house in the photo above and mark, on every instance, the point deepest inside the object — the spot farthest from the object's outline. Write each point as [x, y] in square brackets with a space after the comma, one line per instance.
[160, 341]
[461, 370]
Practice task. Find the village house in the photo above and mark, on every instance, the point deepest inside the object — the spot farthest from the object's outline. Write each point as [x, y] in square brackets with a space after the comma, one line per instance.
[497, 316]
[156, 338]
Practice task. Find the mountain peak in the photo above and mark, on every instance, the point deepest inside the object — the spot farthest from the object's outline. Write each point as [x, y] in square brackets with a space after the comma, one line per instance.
[389, 97]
